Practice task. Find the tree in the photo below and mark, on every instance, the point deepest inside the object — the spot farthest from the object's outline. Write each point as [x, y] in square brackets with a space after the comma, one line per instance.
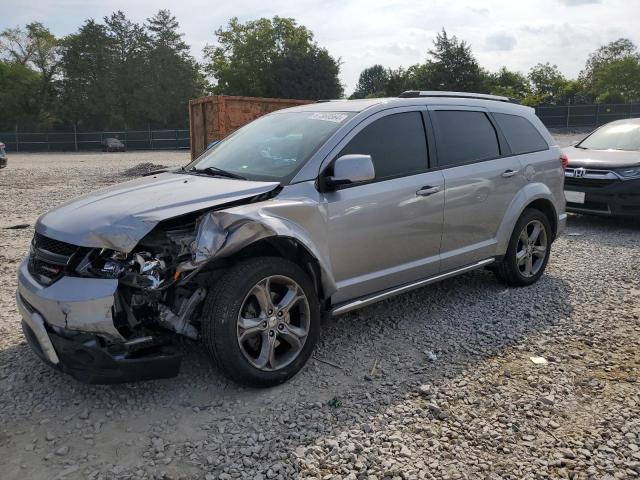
[372, 82]
[618, 80]
[37, 48]
[613, 51]
[547, 84]
[452, 66]
[19, 88]
[271, 58]
[173, 76]
[508, 83]
[128, 58]
[598, 77]
[85, 86]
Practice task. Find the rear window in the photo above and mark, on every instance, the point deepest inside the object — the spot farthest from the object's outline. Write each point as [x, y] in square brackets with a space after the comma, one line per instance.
[463, 137]
[521, 135]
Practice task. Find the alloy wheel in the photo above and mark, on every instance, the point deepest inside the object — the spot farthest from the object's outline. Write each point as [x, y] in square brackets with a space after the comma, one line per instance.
[532, 248]
[273, 323]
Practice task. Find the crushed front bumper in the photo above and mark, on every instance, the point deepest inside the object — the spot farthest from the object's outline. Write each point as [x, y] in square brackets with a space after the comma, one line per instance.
[69, 326]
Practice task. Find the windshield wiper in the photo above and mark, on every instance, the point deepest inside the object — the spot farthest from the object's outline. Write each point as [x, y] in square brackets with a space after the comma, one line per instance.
[218, 171]
[580, 147]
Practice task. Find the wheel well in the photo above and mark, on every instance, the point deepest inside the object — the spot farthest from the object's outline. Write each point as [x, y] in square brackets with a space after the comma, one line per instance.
[283, 247]
[546, 207]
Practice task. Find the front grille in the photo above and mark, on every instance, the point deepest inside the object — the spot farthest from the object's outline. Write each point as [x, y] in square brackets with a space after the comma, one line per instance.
[54, 246]
[49, 258]
[589, 178]
[588, 182]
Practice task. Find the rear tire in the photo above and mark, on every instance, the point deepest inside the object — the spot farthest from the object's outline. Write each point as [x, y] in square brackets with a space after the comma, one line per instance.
[528, 251]
[257, 339]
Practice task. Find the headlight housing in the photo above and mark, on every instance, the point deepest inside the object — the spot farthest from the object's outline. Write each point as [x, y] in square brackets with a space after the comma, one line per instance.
[140, 269]
[628, 172]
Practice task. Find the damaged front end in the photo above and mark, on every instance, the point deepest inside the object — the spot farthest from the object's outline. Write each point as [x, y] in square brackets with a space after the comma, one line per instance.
[112, 314]
[106, 316]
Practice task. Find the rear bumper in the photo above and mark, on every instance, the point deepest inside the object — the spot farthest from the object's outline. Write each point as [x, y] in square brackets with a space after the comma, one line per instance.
[72, 331]
[619, 199]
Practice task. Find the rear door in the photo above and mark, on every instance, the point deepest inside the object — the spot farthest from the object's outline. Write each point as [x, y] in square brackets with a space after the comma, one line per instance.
[387, 232]
[481, 180]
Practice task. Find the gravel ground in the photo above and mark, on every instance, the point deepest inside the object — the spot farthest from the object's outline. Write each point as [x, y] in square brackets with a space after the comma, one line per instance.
[437, 383]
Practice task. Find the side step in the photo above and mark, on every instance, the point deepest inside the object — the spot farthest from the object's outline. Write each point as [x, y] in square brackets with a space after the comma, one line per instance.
[364, 301]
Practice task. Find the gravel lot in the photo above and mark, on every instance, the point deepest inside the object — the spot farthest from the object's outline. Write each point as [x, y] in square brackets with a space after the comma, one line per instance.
[437, 383]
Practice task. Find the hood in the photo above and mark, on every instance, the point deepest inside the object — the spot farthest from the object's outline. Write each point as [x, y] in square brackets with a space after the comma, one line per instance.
[604, 159]
[119, 216]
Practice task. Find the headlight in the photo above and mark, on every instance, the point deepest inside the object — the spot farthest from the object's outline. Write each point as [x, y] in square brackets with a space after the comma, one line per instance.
[140, 269]
[631, 172]
[103, 263]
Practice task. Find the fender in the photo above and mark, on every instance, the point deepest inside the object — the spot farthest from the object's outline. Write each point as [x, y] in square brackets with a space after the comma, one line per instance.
[222, 233]
[527, 195]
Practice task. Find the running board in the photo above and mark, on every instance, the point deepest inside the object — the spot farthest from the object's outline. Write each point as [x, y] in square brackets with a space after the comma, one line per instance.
[363, 302]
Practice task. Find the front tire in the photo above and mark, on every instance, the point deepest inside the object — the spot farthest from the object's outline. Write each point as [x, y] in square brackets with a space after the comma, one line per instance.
[528, 251]
[261, 322]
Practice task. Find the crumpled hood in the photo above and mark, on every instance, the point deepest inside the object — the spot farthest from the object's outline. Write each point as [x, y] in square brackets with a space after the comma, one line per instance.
[119, 216]
[603, 159]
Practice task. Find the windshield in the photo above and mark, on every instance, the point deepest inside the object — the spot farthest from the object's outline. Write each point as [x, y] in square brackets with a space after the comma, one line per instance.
[616, 136]
[273, 147]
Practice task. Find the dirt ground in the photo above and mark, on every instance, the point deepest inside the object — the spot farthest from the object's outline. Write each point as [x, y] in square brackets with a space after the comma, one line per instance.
[437, 383]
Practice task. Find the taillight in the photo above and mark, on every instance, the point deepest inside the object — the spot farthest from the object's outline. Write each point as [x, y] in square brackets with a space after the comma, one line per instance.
[564, 160]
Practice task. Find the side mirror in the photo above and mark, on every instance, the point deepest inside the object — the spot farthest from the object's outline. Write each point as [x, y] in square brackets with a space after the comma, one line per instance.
[349, 169]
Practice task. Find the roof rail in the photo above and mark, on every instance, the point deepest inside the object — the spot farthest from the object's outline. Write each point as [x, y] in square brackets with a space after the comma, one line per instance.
[435, 93]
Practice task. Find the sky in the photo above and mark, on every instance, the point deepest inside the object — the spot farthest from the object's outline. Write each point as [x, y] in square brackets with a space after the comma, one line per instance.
[517, 33]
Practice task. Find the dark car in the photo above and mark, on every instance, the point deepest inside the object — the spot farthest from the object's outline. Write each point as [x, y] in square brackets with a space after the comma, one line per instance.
[113, 145]
[603, 174]
[3, 156]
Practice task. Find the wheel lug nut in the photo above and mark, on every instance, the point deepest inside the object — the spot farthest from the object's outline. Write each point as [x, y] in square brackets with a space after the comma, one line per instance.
[281, 327]
[270, 311]
[264, 324]
[279, 314]
[271, 333]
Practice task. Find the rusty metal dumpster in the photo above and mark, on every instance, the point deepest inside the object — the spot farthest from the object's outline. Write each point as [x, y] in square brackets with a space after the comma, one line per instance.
[214, 117]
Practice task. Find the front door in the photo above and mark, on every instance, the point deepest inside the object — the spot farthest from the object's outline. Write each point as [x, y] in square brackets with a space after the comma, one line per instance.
[387, 232]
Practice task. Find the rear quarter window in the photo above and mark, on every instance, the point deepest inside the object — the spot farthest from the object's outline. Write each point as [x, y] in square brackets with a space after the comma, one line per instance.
[521, 135]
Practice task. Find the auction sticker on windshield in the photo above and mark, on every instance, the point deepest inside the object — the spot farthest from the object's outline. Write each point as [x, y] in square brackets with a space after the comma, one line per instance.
[329, 116]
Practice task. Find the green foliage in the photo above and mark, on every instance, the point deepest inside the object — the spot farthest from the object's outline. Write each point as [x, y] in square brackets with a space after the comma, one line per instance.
[547, 83]
[509, 84]
[172, 76]
[271, 58]
[35, 48]
[19, 89]
[86, 86]
[372, 82]
[115, 75]
[452, 66]
[121, 74]
[619, 79]
[613, 51]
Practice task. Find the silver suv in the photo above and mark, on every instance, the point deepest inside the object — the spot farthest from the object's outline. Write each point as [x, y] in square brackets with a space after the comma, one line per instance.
[320, 208]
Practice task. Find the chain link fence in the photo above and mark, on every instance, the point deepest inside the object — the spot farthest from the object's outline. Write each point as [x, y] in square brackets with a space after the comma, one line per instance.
[18, 141]
[567, 116]
[556, 116]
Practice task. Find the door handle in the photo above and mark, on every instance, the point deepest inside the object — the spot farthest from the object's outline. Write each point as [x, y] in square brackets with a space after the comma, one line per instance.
[426, 191]
[509, 173]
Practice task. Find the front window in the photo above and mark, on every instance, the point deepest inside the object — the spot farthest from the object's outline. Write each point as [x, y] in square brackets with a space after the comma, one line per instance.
[616, 136]
[273, 147]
